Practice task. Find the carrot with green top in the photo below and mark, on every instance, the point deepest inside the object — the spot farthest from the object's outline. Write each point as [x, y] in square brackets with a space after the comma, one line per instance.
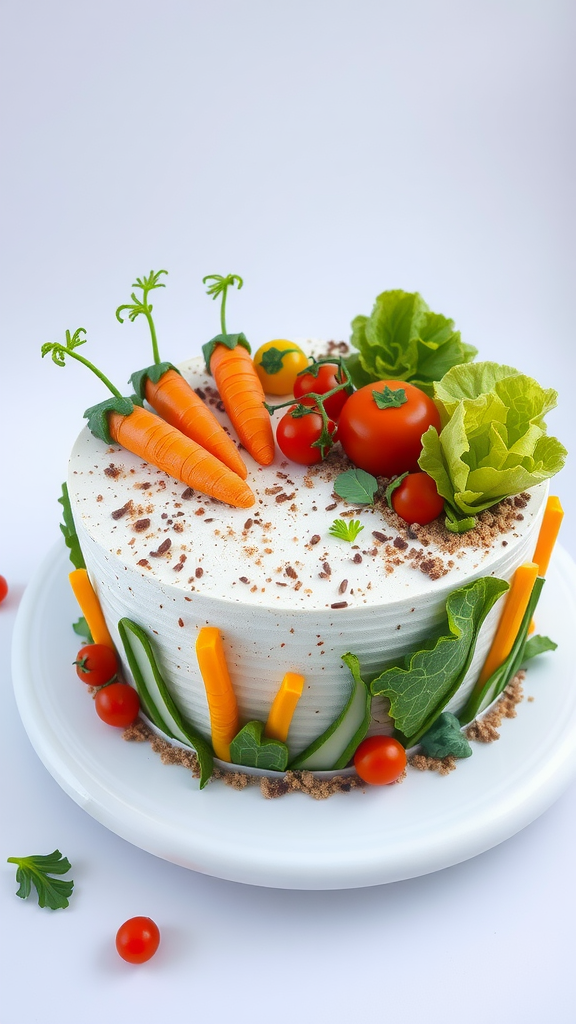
[124, 421]
[228, 360]
[166, 390]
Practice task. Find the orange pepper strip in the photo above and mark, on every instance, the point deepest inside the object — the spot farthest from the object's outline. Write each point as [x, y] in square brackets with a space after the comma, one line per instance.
[549, 530]
[219, 692]
[90, 606]
[283, 706]
[514, 609]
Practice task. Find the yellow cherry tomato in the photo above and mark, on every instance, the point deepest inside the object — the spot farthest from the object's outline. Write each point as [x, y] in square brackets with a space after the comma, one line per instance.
[277, 364]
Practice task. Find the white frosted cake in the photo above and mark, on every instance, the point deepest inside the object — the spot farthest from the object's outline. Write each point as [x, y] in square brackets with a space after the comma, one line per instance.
[285, 594]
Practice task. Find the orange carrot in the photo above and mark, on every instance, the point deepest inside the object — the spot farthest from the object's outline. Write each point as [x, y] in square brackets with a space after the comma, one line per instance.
[228, 359]
[90, 607]
[551, 523]
[169, 394]
[178, 404]
[243, 397]
[155, 441]
[219, 692]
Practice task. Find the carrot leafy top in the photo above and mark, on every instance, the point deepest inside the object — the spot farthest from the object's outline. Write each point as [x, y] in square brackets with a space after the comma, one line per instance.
[97, 415]
[220, 286]
[141, 307]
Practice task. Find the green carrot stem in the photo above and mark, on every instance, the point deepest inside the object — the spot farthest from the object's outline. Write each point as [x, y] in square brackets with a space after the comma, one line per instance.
[102, 376]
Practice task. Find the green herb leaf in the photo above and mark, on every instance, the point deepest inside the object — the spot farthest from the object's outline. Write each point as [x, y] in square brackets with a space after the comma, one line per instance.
[403, 340]
[390, 398]
[81, 627]
[69, 531]
[346, 530]
[493, 443]
[356, 486]
[444, 738]
[36, 871]
[522, 650]
[97, 416]
[419, 689]
[253, 750]
[537, 645]
[152, 373]
[456, 523]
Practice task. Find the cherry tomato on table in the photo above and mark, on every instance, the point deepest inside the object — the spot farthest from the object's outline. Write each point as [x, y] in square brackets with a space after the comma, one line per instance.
[380, 760]
[3, 588]
[117, 704]
[137, 940]
[277, 364]
[381, 426]
[416, 499]
[96, 664]
[296, 434]
[329, 376]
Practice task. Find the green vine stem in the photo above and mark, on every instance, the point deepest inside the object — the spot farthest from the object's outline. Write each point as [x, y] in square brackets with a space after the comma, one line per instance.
[142, 307]
[73, 341]
[326, 441]
[220, 286]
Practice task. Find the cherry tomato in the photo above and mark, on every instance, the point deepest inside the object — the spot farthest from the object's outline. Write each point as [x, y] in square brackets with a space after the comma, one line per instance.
[329, 376]
[277, 363]
[416, 499]
[96, 664]
[117, 704]
[296, 435]
[3, 588]
[386, 441]
[380, 760]
[137, 940]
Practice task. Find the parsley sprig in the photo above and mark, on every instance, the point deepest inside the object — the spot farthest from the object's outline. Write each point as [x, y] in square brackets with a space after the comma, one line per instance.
[37, 871]
[141, 307]
[346, 530]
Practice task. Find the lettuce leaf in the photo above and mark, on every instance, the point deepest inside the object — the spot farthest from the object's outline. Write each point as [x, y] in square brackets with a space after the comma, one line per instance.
[493, 441]
[403, 340]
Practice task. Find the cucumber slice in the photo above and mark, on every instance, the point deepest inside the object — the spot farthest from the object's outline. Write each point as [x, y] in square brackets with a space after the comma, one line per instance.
[157, 701]
[334, 748]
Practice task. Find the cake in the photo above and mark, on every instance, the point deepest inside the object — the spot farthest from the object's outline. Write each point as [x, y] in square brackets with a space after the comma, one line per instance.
[289, 593]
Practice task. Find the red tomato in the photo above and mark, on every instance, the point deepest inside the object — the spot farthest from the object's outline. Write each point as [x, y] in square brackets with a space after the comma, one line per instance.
[329, 376]
[386, 441]
[117, 704]
[296, 435]
[416, 499]
[380, 760]
[137, 940]
[96, 664]
[3, 588]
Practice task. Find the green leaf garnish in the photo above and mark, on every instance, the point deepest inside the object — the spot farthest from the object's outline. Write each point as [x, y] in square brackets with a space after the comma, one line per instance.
[403, 340]
[36, 871]
[392, 487]
[68, 529]
[81, 627]
[537, 645]
[346, 530]
[420, 688]
[141, 307]
[272, 360]
[390, 398]
[97, 416]
[444, 738]
[493, 442]
[356, 486]
[457, 523]
[253, 750]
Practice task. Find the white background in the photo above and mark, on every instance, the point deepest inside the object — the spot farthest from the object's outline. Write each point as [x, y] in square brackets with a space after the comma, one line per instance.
[325, 151]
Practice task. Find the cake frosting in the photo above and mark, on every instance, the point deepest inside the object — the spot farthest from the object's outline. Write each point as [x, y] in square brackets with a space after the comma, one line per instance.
[285, 595]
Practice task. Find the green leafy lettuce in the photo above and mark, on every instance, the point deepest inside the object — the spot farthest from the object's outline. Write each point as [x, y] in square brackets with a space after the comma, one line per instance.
[493, 441]
[420, 687]
[403, 340]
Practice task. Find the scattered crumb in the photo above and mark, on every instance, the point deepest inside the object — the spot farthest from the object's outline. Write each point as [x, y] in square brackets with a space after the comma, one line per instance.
[423, 763]
[485, 729]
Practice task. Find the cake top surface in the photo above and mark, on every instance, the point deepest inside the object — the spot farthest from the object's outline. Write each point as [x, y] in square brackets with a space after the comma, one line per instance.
[279, 553]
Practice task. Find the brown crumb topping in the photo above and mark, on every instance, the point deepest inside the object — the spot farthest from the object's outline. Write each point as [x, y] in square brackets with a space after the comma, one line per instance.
[485, 730]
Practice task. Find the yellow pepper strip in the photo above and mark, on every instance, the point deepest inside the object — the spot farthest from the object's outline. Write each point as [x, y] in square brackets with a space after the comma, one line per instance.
[90, 607]
[511, 620]
[220, 695]
[532, 627]
[283, 707]
[549, 530]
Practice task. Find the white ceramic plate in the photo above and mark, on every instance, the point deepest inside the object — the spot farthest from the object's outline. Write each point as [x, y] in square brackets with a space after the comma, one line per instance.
[356, 839]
